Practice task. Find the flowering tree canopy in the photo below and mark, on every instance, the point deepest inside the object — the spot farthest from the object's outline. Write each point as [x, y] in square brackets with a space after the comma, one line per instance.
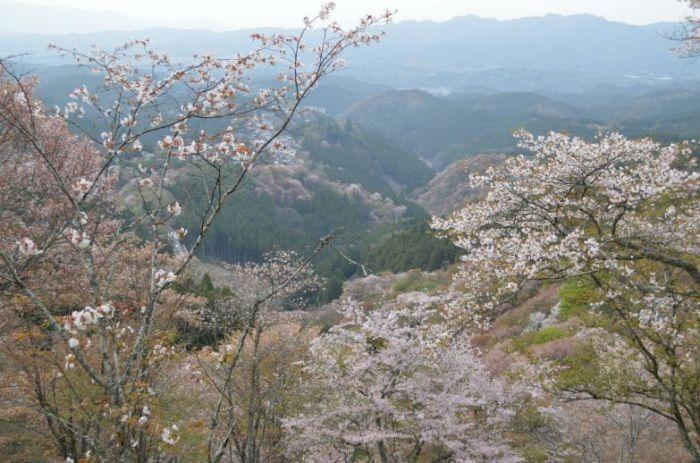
[621, 213]
[392, 384]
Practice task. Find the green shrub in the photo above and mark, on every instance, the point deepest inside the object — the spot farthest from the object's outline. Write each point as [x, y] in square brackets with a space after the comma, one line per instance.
[575, 297]
[415, 281]
[548, 334]
[536, 338]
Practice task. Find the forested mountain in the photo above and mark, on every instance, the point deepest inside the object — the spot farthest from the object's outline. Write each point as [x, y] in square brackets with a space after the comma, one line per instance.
[442, 129]
[352, 154]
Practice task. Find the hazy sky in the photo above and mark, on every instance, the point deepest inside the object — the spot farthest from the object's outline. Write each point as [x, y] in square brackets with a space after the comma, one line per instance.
[219, 14]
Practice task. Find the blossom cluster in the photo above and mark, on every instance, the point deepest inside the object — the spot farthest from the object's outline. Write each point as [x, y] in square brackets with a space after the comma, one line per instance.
[77, 238]
[163, 277]
[395, 375]
[83, 319]
[27, 247]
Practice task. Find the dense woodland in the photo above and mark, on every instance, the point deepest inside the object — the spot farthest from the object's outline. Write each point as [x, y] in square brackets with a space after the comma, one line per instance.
[260, 258]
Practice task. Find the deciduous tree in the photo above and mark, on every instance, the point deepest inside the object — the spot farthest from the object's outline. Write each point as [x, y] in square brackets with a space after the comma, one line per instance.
[393, 385]
[623, 214]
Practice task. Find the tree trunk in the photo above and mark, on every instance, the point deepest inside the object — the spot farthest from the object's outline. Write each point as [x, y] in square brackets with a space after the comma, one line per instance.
[250, 450]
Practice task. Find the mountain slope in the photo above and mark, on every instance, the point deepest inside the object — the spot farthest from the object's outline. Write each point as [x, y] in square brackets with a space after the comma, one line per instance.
[449, 190]
[351, 154]
[442, 129]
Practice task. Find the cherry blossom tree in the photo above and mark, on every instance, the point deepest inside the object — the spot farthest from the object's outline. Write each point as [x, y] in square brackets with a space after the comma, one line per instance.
[64, 225]
[623, 215]
[690, 35]
[393, 385]
[249, 403]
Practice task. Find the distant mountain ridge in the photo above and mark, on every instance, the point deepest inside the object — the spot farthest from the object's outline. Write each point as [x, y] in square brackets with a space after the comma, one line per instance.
[554, 53]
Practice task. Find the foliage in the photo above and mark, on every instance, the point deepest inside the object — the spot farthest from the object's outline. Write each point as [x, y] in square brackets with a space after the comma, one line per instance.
[245, 231]
[414, 247]
[576, 297]
[539, 337]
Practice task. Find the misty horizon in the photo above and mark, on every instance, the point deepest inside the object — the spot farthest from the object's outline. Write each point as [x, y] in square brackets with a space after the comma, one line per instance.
[59, 18]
